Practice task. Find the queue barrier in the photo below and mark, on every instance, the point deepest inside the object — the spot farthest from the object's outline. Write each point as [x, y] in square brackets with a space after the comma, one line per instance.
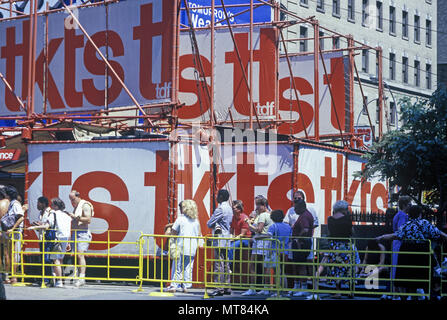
[269, 267]
[39, 259]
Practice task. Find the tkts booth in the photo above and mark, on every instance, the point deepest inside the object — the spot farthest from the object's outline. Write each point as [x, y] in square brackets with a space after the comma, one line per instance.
[172, 110]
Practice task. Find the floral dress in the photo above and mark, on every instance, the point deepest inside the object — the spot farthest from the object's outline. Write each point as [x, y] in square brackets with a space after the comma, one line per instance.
[412, 268]
[417, 230]
[346, 260]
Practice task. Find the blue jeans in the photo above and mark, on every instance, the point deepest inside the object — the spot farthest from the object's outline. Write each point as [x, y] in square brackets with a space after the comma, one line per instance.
[182, 271]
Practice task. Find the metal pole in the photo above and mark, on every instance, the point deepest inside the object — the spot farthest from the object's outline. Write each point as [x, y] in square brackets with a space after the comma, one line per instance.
[212, 62]
[33, 56]
[351, 89]
[316, 81]
[277, 12]
[294, 86]
[364, 100]
[332, 98]
[22, 105]
[239, 59]
[380, 88]
[107, 62]
[30, 57]
[251, 64]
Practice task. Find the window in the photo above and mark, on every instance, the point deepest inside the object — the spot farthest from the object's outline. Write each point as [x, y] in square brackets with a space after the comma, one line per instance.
[365, 13]
[417, 73]
[303, 43]
[365, 60]
[428, 32]
[404, 69]
[392, 66]
[379, 13]
[336, 8]
[377, 65]
[320, 5]
[392, 20]
[321, 40]
[335, 43]
[428, 76]
[392, 113]
[417, 29]
[377, 111]
[304, 3]
[405, 24]
[351, 10]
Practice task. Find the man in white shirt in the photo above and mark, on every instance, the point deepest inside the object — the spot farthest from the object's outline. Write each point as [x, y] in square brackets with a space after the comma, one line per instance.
[82, 217]
[43, 206]
[220, 223]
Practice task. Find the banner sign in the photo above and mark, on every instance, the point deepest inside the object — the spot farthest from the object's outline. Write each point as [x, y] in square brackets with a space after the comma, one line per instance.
[135, 36]
[231, 88]
[9, 154]
[126, 187]
[129, 186]
[238, 12]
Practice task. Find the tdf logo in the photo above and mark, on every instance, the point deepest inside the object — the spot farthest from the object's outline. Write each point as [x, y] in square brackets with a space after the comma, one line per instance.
[70, 22]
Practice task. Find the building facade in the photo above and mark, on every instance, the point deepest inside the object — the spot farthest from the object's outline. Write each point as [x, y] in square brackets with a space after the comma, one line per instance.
[442, 42]
[405, 30]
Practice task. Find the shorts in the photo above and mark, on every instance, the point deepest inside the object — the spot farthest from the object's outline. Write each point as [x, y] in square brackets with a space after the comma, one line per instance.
[83, 239]
[18, 241]
[60, 247]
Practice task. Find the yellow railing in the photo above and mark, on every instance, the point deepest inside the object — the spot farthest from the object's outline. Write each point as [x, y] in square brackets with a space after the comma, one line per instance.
[41, 255]
[154, 260]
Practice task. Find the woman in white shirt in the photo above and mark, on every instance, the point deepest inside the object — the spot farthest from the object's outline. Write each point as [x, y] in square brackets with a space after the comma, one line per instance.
[187, 227]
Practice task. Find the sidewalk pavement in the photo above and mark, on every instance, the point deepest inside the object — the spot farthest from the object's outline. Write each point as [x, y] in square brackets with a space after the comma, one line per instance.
[126, 291]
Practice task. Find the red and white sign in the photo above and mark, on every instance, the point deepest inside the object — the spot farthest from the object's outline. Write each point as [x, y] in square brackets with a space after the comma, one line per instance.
[366, 137]
[231, 93]
[136, 36]
[128, 182]
[9, 154]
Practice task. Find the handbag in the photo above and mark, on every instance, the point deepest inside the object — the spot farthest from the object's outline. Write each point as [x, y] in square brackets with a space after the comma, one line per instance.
[174, 250]
[8, 221]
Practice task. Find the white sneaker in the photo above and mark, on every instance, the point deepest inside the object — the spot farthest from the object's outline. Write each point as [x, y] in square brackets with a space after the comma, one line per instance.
[313, 297]
[80, 282]
[396, 298]
[249, 292]
[59, 284]
[264, 292]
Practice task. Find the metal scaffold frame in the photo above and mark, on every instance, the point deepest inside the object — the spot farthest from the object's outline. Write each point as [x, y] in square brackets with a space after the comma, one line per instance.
[166, 121]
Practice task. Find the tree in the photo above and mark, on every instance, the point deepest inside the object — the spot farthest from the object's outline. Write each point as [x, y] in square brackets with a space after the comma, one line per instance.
[414, 157]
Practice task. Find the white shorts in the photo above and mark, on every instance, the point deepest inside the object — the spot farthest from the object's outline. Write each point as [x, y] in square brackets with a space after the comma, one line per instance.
[59, 256]
[83, 239]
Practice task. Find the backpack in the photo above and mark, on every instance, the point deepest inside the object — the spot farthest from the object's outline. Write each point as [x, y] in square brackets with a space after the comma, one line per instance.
[50, 234]
[8, 221]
